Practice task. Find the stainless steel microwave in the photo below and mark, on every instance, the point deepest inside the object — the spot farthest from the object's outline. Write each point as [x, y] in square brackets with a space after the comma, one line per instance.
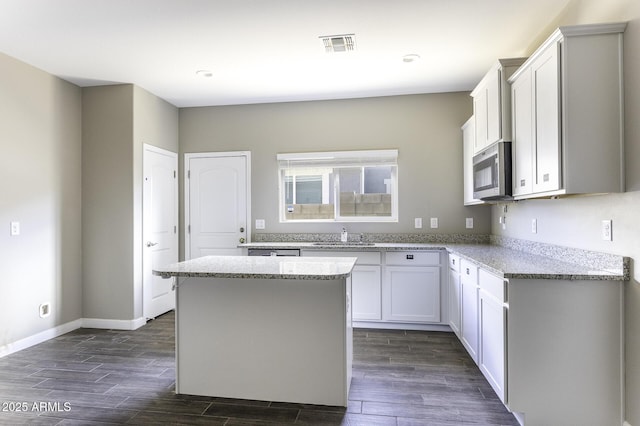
[492, 173]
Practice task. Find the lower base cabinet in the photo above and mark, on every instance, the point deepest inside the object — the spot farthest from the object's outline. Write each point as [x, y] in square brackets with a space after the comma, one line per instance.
[366, 293]
[492, 327]
[551, 349]
[454, 294]
[469, 308]
[396, 289]
[411, 293]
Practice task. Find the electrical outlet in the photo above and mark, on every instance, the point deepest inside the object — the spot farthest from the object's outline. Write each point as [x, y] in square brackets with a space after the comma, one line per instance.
[469, 222]
[607, 231]
[44, 310]
[260, 224]
[15, 228]
[434, 222]
[534, 226]
[418, 222]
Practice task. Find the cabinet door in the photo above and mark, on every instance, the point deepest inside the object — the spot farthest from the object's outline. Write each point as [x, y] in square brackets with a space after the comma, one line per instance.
[546, 92]
[491, 356]
[522, 131]
[468, 145]
[494, 108]
[412, 293]
[469, 311]
[480, 119]
[454, 301]
[366, 293]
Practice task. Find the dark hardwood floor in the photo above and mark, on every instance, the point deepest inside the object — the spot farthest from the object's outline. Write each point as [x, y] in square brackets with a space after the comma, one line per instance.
[96, 377]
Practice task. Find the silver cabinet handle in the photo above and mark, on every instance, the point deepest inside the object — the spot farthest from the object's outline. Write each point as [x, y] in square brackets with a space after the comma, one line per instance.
[150, 244]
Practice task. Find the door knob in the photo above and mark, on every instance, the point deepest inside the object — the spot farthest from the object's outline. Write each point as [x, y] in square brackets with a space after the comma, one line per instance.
[241, 240]
[150, 244]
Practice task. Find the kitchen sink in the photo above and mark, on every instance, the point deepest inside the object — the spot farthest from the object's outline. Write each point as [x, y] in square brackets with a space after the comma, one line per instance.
[340, 243]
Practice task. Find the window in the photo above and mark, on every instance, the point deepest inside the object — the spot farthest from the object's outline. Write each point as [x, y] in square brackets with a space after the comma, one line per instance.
[346, 186]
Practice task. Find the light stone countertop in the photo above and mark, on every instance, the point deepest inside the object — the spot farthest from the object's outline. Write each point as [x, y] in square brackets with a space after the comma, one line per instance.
[503, 261]
[261, 267]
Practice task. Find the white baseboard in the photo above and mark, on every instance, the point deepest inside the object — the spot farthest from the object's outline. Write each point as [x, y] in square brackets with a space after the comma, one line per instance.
[401, 326]
[111, 324]
[43, 336]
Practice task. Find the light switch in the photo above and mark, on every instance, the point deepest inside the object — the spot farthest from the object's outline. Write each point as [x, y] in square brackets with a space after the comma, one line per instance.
[434, 222]
[418, 222]
[15, 228]
[607, 233]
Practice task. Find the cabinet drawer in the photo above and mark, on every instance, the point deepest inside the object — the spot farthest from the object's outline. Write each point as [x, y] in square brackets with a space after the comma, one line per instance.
[413, 258]
[454, 262]
[468, 272]
[364, 257]
[493, 285]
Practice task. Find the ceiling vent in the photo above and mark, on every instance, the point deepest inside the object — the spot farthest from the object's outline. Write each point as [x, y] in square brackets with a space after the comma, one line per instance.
[339, 43]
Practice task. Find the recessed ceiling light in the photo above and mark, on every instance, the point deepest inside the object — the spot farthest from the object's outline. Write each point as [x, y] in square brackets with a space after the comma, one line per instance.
[204, 73]
[410, 58]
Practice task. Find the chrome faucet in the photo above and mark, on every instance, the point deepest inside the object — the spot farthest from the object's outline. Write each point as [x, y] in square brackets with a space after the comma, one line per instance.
[344, 236]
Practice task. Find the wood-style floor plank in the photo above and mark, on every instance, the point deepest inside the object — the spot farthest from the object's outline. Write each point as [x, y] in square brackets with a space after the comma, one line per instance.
[108, 377]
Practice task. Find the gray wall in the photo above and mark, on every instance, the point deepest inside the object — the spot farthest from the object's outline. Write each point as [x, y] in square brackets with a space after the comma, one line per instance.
[575, 222]
[117, 121]
[107, 201]
[40, 136]
[424, 128]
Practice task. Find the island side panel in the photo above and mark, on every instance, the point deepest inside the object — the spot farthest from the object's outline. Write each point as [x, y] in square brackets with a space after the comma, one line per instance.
[565, 351]
[264, 339]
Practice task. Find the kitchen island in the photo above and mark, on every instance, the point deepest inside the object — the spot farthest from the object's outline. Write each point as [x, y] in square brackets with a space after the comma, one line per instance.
[264, 328]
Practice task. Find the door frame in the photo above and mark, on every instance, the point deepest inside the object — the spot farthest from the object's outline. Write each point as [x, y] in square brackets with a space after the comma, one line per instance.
[187, 159]
[146, 255]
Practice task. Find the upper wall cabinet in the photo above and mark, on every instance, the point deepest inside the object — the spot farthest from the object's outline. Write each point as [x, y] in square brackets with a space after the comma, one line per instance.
[567, 114]
[468, 143]
[492, 104]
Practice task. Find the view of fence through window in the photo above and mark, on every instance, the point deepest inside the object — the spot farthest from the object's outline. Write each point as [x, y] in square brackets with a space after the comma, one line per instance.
[339, 186]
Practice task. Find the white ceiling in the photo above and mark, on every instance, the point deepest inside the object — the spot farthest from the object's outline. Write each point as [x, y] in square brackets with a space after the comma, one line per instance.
[269, 50]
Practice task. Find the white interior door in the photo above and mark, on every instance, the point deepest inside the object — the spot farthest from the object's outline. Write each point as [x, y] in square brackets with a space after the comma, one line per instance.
[160, 216]
[217, 204]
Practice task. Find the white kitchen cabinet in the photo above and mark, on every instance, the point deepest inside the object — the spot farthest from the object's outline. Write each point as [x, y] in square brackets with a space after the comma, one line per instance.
[522, 131]
[492, 105]
[396, 289]
[468, 142]
[412, 294]
[366, 286]
[567, 114]
[469, 307]
[411, 290]
[366, 293]
[492, 326]
[454, 293]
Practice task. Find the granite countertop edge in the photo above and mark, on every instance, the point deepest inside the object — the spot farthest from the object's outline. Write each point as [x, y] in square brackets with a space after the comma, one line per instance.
[502, 261]
[249, 275]
[245, 267]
